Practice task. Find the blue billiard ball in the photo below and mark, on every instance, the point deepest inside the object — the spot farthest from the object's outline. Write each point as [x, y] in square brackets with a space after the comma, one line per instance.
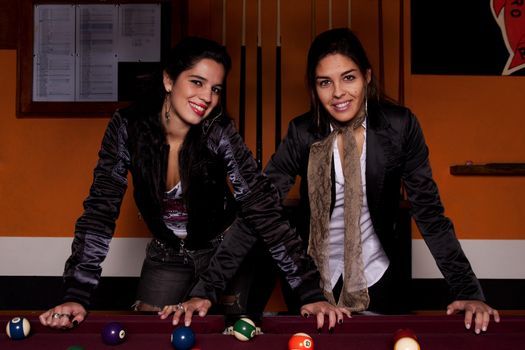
[113, 333]
[183, 338]
[18, 328]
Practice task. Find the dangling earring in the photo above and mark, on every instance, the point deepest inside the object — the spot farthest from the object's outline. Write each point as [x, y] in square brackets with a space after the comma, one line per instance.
[366, 106]
[168, 108]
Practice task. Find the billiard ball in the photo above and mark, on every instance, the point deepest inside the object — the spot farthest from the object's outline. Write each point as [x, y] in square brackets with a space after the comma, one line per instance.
[183, 338]
[244, 329]
[18, 328]
[113, 333]
[405, 339]
[300, 341]
[75, 347]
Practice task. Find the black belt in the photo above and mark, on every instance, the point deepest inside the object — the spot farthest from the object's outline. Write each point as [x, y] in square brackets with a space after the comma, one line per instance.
[181, 245]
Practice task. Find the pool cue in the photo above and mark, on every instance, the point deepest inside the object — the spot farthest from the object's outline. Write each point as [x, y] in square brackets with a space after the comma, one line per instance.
[278, 79]
[225, 90]
[401, 83]
[258, 112]
[329, 14]
[224, 23]
[381, 48]
[313, 27]
[242, 79]
[349, 13]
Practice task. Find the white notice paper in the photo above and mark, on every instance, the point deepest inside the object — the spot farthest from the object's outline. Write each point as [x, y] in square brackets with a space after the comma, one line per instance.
[54, 53]
[96, 63]
[139, 33]
[77, 48]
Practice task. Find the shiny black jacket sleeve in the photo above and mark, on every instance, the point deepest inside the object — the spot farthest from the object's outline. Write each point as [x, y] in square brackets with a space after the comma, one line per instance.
[95, 227]
[261, 216]
[428, 212]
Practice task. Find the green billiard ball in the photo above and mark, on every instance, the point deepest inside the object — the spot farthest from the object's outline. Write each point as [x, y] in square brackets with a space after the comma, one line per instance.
[75, 347]
[244, 329]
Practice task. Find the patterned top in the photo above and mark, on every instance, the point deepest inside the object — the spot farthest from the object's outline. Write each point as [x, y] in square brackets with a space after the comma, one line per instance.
[175, 214]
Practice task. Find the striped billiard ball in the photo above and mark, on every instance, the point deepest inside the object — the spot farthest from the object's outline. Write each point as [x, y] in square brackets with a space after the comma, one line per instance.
[18, 328]
[244, 329]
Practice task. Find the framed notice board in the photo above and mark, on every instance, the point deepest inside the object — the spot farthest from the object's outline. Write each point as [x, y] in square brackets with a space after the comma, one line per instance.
[87, 58]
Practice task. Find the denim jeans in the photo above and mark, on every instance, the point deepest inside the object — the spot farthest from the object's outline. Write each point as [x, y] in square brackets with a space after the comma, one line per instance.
[169, 273]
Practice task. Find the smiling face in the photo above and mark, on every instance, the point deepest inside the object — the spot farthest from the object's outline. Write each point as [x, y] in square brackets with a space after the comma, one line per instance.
[341, 86]
[195, 92]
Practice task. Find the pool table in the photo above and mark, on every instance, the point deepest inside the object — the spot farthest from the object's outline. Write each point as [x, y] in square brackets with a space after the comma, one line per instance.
[147, 331]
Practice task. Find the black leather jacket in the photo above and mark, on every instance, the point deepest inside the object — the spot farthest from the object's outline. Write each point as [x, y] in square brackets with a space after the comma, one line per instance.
[395, 152]
[212, 207]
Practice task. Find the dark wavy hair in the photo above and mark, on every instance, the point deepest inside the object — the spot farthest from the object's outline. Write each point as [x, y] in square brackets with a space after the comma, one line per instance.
[148, 135]
[337, 41]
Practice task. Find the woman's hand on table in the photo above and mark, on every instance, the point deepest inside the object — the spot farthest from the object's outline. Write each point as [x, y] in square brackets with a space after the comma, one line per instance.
[64, 316]
[323, 308]
[188, 308]
[476, 309]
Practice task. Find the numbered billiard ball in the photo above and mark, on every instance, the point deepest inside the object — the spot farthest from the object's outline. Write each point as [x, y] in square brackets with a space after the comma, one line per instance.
[18, 328]
[113, 333]
[244, 329]
[300, 341]
[183, 338]
[405, 339]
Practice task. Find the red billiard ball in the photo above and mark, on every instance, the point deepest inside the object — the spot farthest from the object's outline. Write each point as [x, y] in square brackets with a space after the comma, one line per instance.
[18, 328]
[300, 341]
[113, 333]
[405, 339]
[183, 338]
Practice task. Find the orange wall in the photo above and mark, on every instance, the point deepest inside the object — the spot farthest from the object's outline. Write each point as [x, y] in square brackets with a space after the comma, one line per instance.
[46, 163]
[46, 166]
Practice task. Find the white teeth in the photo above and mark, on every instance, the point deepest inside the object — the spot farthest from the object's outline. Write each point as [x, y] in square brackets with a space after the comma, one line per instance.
[341, 105]
[197, 107]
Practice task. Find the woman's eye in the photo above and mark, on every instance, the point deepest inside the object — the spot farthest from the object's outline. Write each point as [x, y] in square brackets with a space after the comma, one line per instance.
[197, 82]
[323, 83]
[216, 90]
[348, 77]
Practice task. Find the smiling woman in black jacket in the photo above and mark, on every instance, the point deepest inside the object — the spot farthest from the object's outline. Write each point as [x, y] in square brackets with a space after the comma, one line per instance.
[183, 153]
[352, 151]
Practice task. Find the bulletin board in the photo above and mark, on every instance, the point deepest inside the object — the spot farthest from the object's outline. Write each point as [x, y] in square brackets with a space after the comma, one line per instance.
[81, 58]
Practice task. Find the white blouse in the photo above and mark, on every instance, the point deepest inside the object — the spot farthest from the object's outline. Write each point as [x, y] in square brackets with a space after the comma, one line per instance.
[375, 261]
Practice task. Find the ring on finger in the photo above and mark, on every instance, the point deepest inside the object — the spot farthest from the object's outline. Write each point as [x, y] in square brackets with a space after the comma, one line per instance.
[56, 315]
[181, 307]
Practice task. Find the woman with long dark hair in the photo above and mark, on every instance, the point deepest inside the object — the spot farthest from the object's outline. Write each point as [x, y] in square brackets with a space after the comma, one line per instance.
[184, 155]
[353, 150]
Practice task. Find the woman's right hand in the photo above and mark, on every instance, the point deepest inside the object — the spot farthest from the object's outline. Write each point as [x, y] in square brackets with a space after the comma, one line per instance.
[321, 309]
[64, 316]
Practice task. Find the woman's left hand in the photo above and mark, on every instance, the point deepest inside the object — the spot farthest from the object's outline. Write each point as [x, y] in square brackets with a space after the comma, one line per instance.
[188, 308]
[322, 308]
[477, 309]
